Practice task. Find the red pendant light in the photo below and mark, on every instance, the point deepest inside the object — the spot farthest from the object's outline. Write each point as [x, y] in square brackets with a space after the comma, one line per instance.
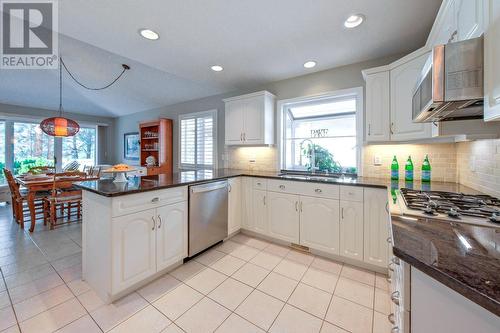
[59, 126]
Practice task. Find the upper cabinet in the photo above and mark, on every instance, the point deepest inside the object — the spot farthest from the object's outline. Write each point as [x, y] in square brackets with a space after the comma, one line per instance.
[377, 106]
[249, 119]
[492, 61]
[389, 92]
[458, 20]
[403, 82]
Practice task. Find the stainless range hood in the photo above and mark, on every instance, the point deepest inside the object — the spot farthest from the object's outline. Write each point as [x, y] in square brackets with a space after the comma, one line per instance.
[451, 85]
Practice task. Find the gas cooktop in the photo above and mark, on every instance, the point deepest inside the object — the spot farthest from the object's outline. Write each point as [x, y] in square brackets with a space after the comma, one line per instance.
[459, 207]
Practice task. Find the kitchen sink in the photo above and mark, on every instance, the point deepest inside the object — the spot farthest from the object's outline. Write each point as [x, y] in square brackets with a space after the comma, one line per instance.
[325, 178]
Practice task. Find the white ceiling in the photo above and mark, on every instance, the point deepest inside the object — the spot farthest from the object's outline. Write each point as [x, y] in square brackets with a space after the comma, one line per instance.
[257, 42]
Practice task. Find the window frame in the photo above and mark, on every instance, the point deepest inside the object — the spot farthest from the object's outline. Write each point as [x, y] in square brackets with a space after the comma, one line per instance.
[9, 121]
[196, 166]
[283, 105]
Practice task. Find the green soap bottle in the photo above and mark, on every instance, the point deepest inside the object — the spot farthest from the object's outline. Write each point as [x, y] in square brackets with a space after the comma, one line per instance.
[394, 169]
[426, 170]
[409, 170]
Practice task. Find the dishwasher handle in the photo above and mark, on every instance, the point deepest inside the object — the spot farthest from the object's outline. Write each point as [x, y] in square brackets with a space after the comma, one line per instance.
[208, 187]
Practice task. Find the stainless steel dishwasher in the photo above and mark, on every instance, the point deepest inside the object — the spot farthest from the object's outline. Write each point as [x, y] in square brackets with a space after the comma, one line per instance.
[207, 215]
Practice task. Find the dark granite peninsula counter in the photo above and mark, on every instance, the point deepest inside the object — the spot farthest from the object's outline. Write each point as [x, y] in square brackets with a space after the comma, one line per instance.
[108, 188]
[465, 258]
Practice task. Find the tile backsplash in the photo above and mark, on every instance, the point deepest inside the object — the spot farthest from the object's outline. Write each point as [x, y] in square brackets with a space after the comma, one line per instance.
[252, 158]
[443, 159]
[478, 165]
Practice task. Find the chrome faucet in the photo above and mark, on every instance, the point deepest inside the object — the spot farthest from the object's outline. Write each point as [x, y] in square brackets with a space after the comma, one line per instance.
[312, 155]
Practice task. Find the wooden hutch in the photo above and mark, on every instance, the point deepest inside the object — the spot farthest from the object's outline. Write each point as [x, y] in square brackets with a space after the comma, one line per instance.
[156, 140]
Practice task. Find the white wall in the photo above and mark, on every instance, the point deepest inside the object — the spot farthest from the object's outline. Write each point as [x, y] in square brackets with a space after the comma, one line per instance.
[315, 83]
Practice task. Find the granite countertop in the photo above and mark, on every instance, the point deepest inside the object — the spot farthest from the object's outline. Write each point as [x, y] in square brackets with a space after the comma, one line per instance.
[464, 257]
[108, 188]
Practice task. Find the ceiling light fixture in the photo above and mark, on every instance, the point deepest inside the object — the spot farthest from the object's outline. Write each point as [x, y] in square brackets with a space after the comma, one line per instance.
[149, 34]
[354, 20]
[217, 68]
[310, 64]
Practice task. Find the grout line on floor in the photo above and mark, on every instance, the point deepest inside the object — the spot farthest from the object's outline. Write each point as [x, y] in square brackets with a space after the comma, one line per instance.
[10, 300]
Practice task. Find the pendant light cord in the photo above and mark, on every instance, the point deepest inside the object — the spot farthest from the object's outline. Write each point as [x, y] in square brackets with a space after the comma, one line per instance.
[125, 68]
[60, 90]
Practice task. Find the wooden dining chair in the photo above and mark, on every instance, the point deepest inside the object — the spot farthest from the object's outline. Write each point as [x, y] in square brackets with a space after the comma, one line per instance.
[65, 200]
[20, 209]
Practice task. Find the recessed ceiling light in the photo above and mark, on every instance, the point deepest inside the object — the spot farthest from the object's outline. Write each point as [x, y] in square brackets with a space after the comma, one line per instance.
[149, 34]
[217, 68]
[310, 64]
[354, 20]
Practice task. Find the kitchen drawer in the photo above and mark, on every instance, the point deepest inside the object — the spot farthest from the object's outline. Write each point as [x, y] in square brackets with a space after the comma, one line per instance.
[351, 193]
[320, 190]
[260, 184]
[132, 203]
[284, 186]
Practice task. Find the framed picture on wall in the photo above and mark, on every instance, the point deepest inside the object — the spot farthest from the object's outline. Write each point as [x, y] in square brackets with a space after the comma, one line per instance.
[131, 146]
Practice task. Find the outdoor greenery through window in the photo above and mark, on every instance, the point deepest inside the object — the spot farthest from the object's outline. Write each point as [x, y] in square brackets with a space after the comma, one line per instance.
[80, 148]
[24, 145]
[320, 135]
[2, 151]
[32, 147]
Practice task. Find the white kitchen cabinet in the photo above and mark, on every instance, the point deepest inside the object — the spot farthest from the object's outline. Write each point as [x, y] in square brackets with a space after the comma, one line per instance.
[247, 203]
[445, 25]
[403, 82]
[491, 61]
[234, 205]
[376, 227]
[283, 216]
[171, 234]
[249, 119]
[320, 224]
[234, 111]
[259, 211]
[351, 229]
[377, 106]
[470, 18]
[123, 249]
[134, 248]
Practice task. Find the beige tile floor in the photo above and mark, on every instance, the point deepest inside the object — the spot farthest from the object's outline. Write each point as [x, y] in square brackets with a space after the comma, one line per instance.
[242, 285]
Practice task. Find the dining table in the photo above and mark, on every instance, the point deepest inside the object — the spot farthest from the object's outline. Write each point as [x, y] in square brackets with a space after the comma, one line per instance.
[40, 183]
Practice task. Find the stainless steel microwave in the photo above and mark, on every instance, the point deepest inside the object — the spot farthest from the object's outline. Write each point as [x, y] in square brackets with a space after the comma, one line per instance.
[451, 84]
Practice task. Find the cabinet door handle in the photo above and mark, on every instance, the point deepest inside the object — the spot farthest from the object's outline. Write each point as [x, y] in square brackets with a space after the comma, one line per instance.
[229, 187]
[318, 190]
[155, 200]
[282, 187]
[395, 297]
[244, 136]
[369, 129]
[395, 329]
[159, 221]
[392, 128]
[342, 212]
[264, 199]
[391, 266]
[154, 222]
[391, 318]
[301, 206]
[296, 206]
[387, 207]
[389, 240]
[395, 260]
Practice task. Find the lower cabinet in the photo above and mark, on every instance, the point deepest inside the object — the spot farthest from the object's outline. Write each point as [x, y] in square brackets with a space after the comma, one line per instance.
[376, 227]
[234, 201]
[259, 211]
[247, 203]
[134, 248]
[351, 229]
[147, 242]
[171, 234]
[319, 224]
[283, 216]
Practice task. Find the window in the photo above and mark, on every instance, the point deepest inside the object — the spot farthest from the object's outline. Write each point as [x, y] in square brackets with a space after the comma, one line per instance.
[80, 148]
[2, 151]
[198, 140]
[32, 147]
[324, 129]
